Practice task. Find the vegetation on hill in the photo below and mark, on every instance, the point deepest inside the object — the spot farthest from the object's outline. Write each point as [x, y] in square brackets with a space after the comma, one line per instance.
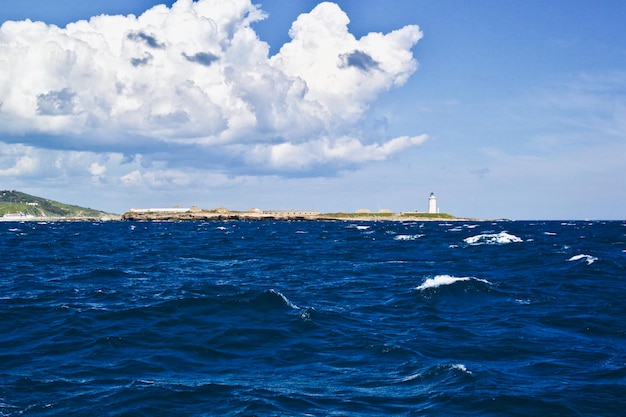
[340, 215]
[428, 216]
[387, 215]
[13, 202]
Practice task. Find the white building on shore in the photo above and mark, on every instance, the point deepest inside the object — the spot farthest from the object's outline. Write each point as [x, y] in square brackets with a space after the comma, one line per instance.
[432, 204]
[16, 216]
[160, 210]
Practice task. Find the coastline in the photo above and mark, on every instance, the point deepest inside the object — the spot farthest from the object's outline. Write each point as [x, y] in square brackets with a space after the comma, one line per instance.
[111, 217]
[224, 215]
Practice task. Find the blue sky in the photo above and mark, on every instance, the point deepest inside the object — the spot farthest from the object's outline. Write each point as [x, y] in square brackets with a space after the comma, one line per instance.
[504, 109]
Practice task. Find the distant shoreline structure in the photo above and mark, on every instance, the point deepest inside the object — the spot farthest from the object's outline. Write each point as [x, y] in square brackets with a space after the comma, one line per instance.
[45, 219]
[165, 215]
[197, 214]
[20, 207]
[16, 217]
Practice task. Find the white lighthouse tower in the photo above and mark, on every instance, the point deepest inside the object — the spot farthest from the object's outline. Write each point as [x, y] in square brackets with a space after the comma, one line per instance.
[432, 204]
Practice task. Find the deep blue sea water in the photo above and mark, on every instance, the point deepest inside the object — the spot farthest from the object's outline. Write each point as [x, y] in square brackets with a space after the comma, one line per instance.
[313, 318]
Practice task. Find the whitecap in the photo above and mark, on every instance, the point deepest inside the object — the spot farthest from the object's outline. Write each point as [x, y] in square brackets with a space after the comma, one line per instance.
[492, 239]
[590, 259]
[440, 280]
[306, 314]
[411, 377]
[549, 233]
[407, 237]
[461, 367]
[284, 298]
[362, 227]
[147, 381]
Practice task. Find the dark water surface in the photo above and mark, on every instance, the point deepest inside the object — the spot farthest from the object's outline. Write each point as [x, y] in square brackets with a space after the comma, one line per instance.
[313, 318]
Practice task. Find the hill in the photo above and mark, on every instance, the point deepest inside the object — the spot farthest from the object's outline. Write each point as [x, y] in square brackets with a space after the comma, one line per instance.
[13, 202]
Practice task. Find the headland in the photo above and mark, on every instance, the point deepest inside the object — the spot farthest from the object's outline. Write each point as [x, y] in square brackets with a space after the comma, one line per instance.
[222, 214]
[16, 206]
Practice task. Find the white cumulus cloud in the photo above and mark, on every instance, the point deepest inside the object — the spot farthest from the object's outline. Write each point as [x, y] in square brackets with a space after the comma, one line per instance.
[194, 84]
[96, 169]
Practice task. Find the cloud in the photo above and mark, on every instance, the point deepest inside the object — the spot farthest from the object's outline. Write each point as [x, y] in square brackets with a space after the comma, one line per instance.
[202, 58]
[145, 60]
[193, 86]
[341, 153]
[96, 169]
[56, 103]
[23, 166]
[132, 178]
[358, 59]
[149, 40]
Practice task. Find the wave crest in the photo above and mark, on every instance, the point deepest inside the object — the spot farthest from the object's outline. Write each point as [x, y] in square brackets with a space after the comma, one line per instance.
[440, 280]
[590, 259]
[492, 239]
[408, 237]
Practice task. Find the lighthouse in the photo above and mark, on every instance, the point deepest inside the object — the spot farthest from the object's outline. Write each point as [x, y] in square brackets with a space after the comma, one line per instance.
[432, 204]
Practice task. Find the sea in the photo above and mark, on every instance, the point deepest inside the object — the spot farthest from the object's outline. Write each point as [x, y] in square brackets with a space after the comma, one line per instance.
[313, 318]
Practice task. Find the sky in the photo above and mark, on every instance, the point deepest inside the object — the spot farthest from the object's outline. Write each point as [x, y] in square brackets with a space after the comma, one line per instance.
[504, 109]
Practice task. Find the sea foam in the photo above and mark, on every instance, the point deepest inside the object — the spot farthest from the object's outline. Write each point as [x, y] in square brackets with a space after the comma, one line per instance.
[408, 237]
[460, 367]
[590, 259]
[440, 280]
[492, 239]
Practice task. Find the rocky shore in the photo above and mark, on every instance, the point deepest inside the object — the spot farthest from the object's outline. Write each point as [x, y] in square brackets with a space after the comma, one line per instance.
[224, 214]
[207, 215]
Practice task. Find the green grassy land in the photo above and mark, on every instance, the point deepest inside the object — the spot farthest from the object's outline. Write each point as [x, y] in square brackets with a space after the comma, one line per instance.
[390, 215]
[12, 201]
[363, 215]
[428, 216]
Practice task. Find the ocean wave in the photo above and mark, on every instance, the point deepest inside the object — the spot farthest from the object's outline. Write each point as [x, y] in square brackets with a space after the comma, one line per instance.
[358, 226]
[440, 280]
[437, 371]
[501, 238]
[273, 298]
[179, 318]
[408, 237]
[590, 259]
[460, 367]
